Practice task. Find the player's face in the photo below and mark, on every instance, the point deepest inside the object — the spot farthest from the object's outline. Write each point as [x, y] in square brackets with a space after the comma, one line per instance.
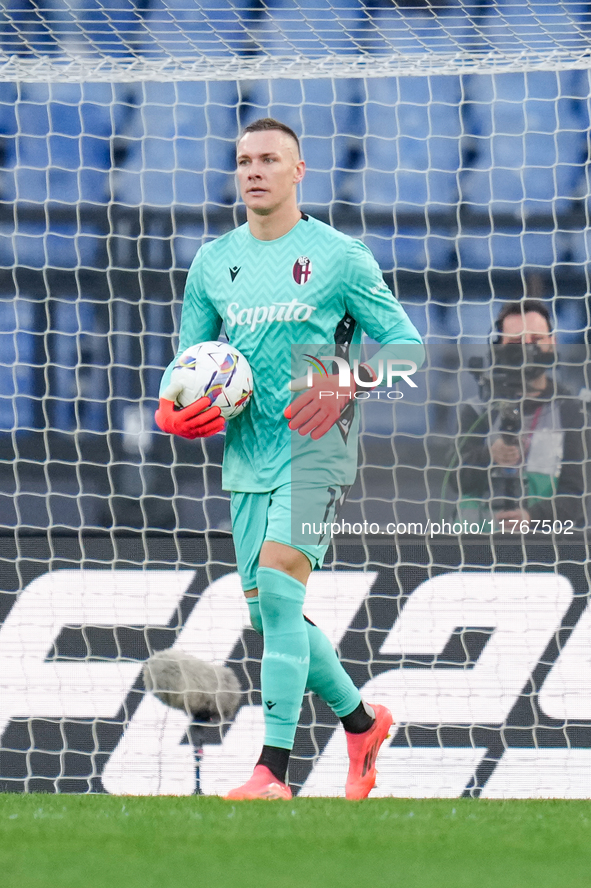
[269, 169]
[529, 328]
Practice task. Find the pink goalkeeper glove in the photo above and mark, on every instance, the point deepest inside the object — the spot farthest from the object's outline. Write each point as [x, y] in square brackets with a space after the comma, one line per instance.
[318, 408]
[198, 420]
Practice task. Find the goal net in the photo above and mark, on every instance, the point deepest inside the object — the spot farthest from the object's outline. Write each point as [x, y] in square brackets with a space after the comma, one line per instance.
[453, 139]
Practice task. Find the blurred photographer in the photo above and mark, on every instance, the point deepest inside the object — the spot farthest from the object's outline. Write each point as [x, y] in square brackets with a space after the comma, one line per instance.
[521, 443]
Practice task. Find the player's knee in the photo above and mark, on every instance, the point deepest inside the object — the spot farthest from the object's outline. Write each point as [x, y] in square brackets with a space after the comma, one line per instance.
[285, 559]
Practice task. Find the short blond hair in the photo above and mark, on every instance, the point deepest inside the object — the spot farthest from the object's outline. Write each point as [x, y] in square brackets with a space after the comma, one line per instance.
[264, 124]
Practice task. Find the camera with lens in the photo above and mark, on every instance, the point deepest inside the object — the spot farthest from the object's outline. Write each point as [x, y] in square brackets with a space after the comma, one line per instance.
[505, 382]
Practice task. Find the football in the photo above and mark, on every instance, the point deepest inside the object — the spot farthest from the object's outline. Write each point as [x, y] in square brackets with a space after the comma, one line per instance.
[216, 370]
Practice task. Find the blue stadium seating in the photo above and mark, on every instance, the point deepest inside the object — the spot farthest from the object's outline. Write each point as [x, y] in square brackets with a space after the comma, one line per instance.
[469, 323]
[415, 30]
[479, 251]
[8, 99]
[445, 328]
[86, 26]
[174, 139]
[23, 29]
[157, 344]
[572, 320]
[453, 333]
[183, 28]
[17, 348]
[410, 249]
[78, 359]
[583, 188]
[33, 245]
[429, 319]
[185, 243]
[413, 123]
[8, 130]
[308, 27]
[62, 150]
[327, 127]
[412, 148]
[538, 27]
[579, 245]
[60, 153]
[529, 141]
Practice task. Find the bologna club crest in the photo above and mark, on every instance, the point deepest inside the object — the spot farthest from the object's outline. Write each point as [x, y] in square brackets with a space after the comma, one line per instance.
[302, 270]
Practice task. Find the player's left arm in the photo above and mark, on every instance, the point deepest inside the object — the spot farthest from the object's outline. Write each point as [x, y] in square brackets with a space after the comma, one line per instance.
[373, 305]
[370, 302]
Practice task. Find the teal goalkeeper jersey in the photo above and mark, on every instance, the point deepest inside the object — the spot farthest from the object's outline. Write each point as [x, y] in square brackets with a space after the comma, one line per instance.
[314, 285]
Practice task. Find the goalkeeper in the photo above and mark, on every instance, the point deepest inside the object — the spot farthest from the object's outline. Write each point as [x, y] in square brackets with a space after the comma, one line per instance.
[284, 280]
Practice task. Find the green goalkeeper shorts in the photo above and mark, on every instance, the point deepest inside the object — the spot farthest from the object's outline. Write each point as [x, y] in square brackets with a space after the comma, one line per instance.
[297, 515]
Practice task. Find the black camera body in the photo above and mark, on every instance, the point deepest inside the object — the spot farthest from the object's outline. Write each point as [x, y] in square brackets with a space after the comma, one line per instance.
[511, 367]
[504, 383]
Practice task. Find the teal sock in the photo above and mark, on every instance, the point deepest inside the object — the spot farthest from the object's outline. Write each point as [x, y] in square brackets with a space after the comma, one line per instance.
[255, 614]
[286, 654]
[326, 676]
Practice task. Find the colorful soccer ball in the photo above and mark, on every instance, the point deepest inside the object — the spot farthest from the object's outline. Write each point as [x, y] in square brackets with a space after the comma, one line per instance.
[216, 370]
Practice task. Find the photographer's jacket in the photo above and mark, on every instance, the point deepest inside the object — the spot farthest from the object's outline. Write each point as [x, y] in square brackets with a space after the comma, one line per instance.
[553, 454]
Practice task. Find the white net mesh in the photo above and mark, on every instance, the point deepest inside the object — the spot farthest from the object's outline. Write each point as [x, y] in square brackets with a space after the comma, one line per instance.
[221, 39]
[453, 139]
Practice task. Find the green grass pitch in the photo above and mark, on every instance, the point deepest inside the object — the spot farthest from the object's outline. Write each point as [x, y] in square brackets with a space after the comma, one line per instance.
[202, 842]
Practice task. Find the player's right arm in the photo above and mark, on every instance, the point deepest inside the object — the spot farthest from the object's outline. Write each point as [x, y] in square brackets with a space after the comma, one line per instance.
[200, 322]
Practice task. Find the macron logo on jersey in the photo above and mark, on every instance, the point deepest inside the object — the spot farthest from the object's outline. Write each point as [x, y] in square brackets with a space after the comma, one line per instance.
[266, 314]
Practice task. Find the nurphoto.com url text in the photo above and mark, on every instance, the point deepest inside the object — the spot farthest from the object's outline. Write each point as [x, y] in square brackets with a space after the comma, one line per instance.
[438, 528]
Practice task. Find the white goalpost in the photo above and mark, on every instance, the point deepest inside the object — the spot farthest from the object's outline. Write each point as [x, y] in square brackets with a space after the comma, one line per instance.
[453, 138]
